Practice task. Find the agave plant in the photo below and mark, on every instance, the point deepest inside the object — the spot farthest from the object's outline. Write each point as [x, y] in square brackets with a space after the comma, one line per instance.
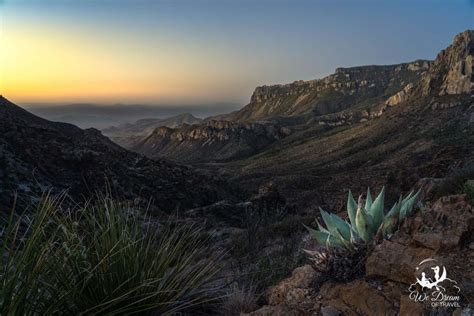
[367, 221]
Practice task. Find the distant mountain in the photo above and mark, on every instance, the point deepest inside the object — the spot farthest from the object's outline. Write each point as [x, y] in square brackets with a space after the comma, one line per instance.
[104, 116]
[37, 155]
[361, 126]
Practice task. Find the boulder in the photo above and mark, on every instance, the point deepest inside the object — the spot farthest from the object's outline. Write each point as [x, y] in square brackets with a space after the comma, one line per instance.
[395, 261]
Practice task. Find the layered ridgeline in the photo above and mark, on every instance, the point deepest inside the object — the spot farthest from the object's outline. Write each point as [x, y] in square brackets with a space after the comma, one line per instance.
[37, 155]
[124, 133]
[396, 123]
[350, 96]
[274, 111]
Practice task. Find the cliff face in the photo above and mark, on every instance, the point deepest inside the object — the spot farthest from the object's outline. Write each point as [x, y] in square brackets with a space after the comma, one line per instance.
[452, 73]
[347, 87]
[212, 141]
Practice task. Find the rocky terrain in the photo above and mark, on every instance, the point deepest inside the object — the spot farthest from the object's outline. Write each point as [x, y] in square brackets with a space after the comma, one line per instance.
[442, 230]
[37, 155]
[361, 126]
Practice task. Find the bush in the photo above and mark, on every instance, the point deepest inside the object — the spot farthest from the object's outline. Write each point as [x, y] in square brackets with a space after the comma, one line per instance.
[101, 258]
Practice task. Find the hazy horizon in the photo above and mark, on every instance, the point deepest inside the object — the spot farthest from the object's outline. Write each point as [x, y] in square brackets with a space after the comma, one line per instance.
[102, 116]
[205, 51]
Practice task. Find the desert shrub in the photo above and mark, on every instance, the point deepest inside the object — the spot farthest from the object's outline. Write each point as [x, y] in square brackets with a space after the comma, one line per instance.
[240, 298]
[26, 271]
[102, 258]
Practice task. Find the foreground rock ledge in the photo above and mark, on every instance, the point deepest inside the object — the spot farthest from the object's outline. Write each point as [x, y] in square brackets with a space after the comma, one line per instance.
[443, 230]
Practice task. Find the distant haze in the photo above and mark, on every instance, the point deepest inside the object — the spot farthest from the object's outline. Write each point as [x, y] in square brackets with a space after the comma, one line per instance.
[102, 116]
[206, 51]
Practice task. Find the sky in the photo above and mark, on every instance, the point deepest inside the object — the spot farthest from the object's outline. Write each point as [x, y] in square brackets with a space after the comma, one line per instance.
[198, 51]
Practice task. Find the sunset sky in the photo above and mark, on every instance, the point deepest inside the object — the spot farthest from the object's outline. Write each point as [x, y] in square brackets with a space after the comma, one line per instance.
[195, 51]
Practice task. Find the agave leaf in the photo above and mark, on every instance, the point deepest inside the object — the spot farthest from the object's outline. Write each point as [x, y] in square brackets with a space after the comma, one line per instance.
[362, 225]
[328, 221]
[354, 235]
[321, 237]
[389, 225]
[336, 226]
[343, 228]
[412, 201]
[376, 209]
[407, 205]
[351, 208]
[333, 241]
[395, 210]
[321, 228]
[406, 198]
[368, 200]
[341, 240]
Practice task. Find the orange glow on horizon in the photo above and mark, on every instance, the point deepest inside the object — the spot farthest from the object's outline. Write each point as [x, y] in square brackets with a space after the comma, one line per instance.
[46, 65]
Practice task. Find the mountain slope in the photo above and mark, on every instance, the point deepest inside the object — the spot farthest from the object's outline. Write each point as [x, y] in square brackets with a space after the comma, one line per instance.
[36, 154]
[425, 132]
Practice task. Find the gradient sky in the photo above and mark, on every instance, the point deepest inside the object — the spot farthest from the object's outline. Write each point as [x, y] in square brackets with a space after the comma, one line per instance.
[195, 51]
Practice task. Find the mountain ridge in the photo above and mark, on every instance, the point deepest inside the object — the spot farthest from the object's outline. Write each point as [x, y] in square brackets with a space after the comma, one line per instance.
[38, 155]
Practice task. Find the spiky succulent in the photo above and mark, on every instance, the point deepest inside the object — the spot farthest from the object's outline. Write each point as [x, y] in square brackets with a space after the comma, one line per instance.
[367, 221]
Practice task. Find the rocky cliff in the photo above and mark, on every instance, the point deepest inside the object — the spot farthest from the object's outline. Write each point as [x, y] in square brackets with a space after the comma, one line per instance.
[347, 87]
[212, 141]
[452, 73]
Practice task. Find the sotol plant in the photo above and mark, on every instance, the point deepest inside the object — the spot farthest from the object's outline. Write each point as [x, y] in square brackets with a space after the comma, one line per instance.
[367, 223]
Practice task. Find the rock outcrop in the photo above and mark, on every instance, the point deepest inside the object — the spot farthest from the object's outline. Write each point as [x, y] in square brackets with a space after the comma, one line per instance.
[452, 73]
[443, 230]
[212, 141]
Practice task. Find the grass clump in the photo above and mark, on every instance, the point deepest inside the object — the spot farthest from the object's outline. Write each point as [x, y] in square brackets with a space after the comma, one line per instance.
[101, 258]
